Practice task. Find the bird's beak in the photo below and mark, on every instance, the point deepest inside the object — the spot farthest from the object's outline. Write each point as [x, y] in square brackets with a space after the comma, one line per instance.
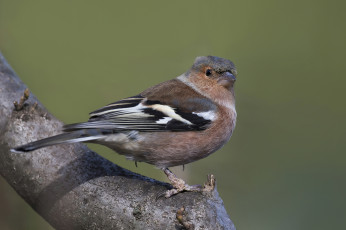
[226, 79]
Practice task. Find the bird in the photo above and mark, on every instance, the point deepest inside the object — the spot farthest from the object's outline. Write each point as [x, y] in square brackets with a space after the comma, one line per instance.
[172, 123]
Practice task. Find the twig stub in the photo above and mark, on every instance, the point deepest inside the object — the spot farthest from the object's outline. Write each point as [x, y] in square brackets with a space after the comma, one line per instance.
[182, 218]
[19, 105]
[210, 184]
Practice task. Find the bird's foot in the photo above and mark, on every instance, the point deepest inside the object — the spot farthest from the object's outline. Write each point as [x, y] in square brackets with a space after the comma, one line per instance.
[180, 185]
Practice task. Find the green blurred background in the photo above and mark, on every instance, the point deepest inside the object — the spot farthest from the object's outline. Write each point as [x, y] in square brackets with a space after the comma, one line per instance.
[284, 167]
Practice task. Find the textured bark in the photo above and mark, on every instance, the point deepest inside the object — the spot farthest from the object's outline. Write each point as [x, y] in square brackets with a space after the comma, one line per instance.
[74, 188]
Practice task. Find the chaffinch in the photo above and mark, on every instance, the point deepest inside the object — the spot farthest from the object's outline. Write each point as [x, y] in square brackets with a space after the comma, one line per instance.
[173, 123]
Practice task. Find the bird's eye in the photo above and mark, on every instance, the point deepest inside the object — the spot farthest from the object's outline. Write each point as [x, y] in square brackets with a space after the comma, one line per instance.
[208, 72]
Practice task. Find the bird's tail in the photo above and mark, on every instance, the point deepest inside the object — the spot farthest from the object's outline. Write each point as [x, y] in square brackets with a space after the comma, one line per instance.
[68, 137]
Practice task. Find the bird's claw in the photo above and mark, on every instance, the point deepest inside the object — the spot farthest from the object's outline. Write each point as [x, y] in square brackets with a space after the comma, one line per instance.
[186, 187]
[179, 185]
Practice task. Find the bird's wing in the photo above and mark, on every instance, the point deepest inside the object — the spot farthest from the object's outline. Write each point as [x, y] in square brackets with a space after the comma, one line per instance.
[172, 106]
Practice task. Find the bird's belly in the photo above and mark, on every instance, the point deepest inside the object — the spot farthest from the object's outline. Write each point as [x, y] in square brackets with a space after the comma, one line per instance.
[166, 149]
[180, 149]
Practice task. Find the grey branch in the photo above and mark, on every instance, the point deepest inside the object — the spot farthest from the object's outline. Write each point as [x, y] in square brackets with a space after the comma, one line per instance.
[74, 188]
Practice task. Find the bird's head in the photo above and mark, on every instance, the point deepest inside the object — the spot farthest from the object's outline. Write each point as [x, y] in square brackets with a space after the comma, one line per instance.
[215, 70]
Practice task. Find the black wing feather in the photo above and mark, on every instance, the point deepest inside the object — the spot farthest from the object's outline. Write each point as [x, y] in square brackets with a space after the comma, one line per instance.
[136, 113]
